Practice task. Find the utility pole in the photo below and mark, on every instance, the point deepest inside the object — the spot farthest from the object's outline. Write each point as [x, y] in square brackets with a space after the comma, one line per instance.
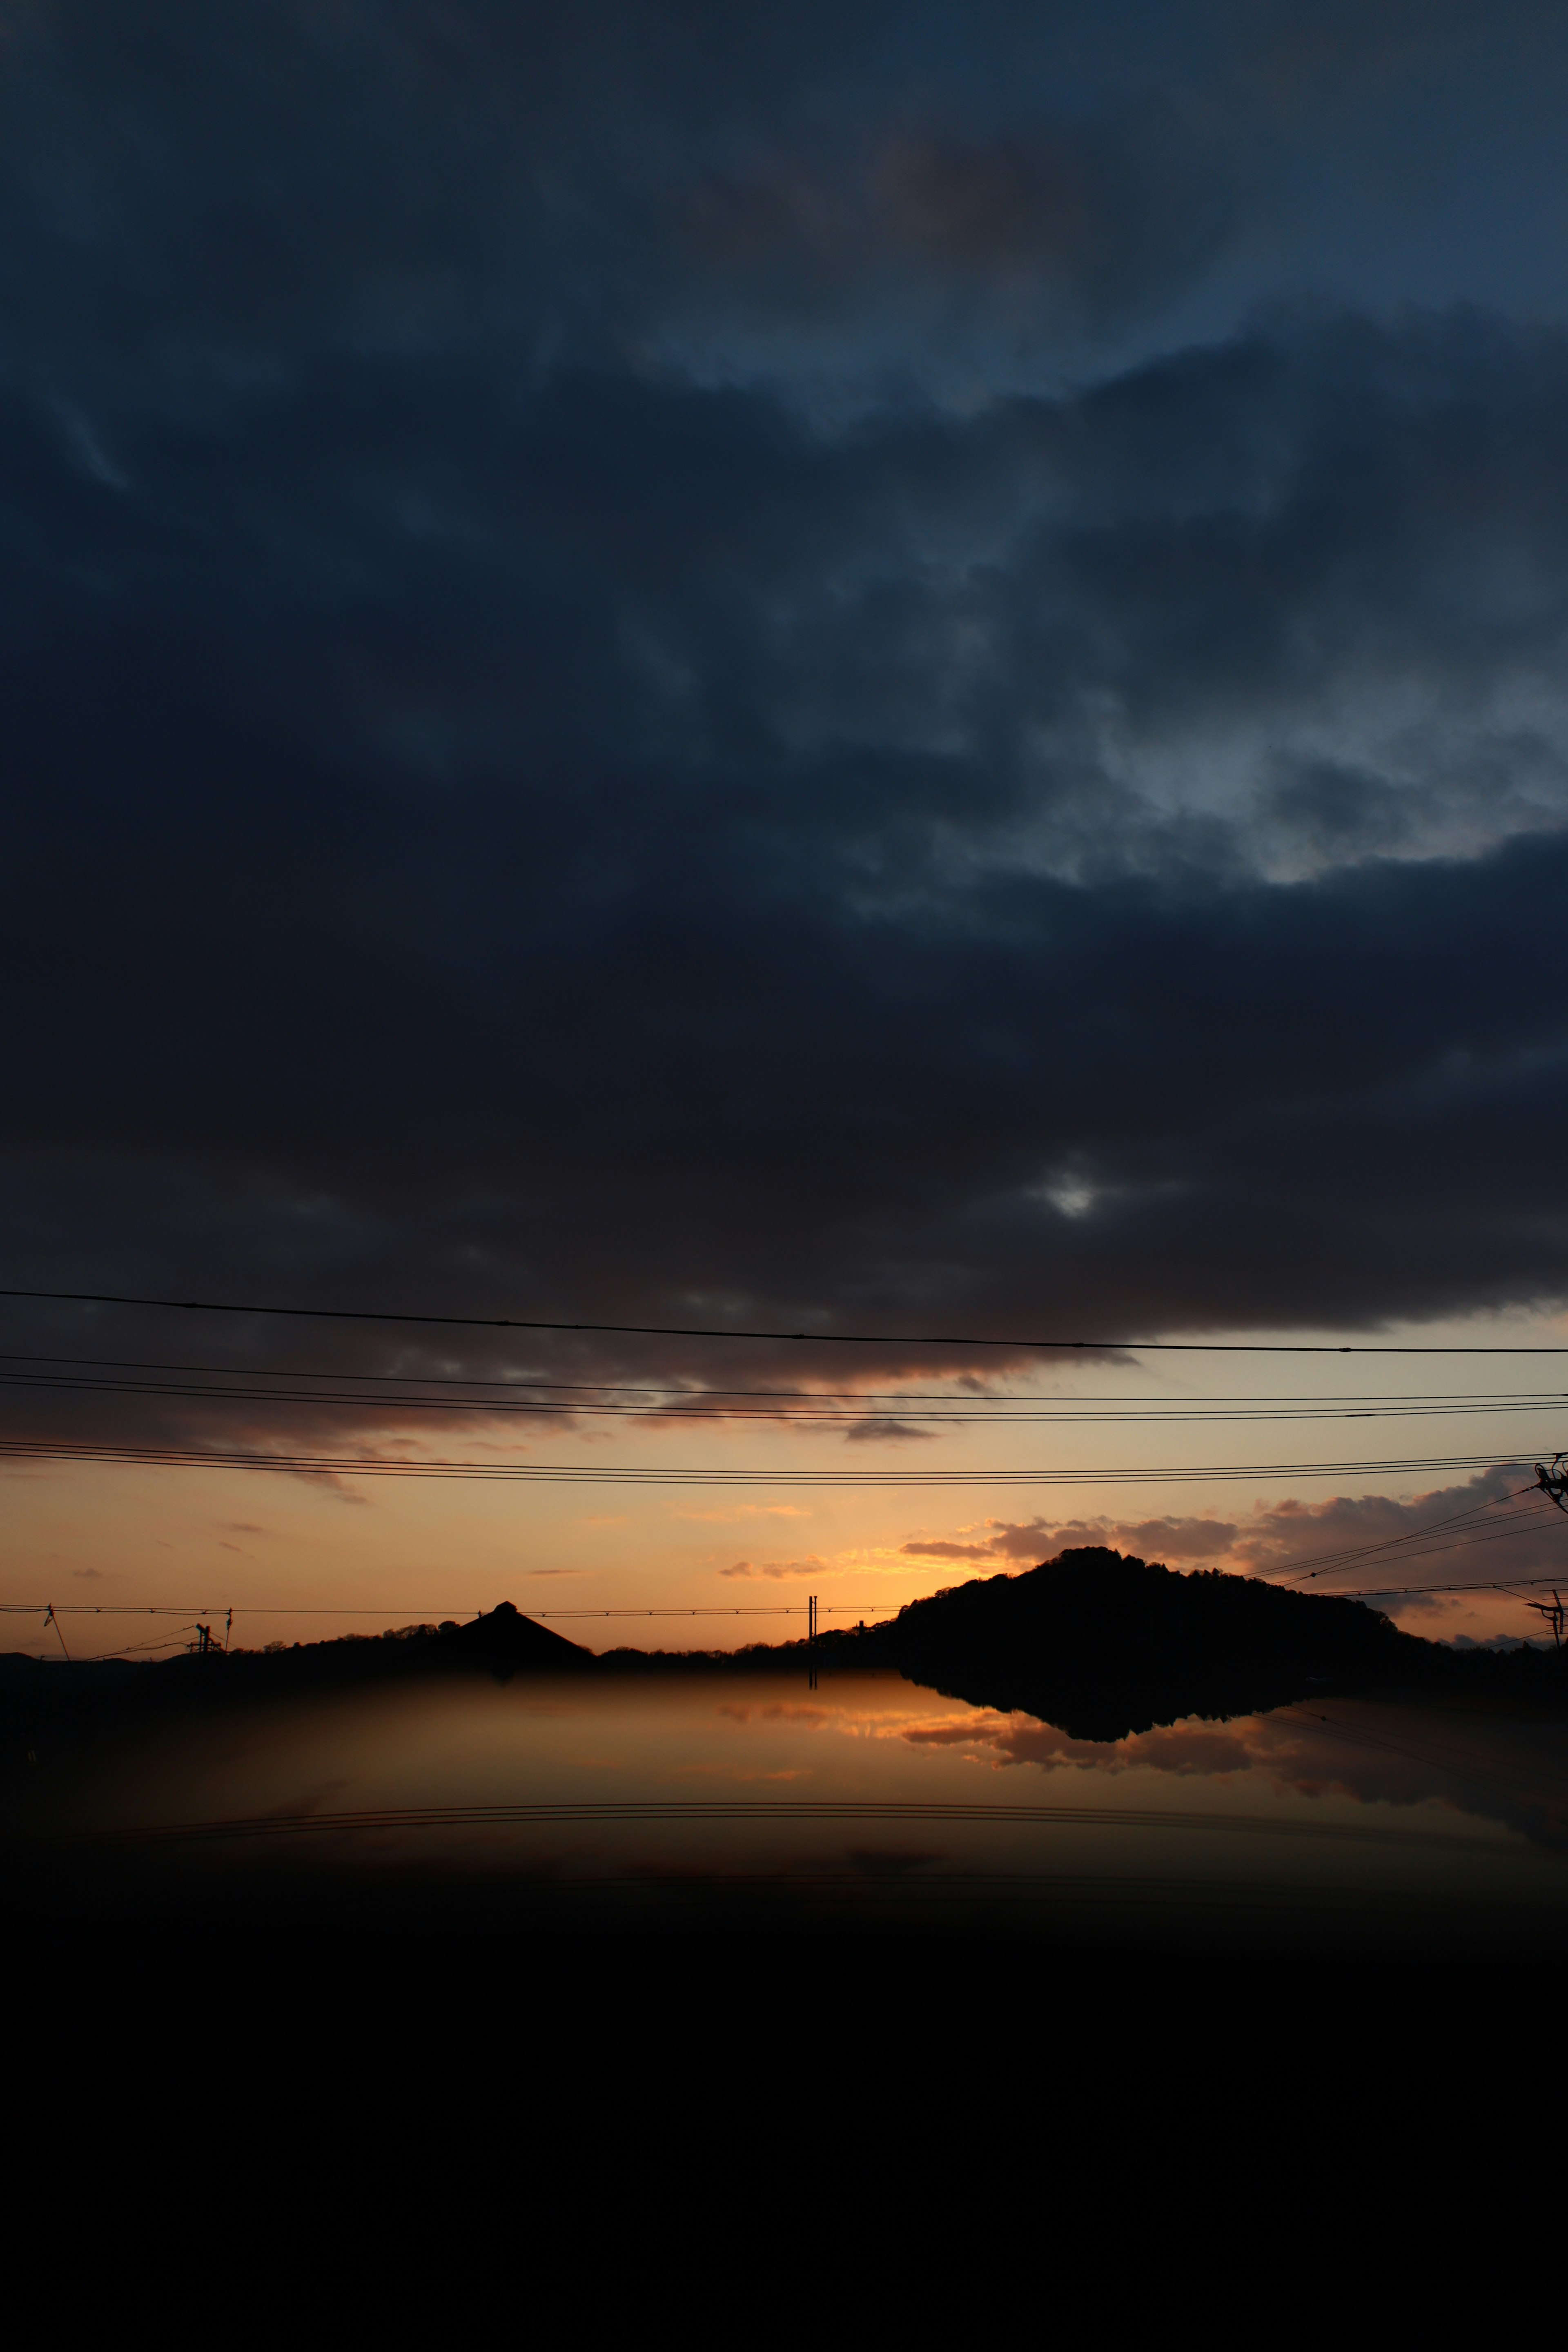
[1555, 1612]
[1554, 1482]
[811, 1638]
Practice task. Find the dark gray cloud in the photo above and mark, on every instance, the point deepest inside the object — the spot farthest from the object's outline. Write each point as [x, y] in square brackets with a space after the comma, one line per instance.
[513, 805]
[200, 195]
[197, 198]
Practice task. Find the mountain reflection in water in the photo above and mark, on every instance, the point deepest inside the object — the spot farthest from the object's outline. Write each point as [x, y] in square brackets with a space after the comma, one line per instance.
[866, 1791]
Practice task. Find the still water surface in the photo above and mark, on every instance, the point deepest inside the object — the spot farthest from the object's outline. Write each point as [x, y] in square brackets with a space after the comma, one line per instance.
[864, 1790]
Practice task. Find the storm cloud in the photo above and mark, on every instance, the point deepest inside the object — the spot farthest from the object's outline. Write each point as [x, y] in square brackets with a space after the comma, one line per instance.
[640, 684]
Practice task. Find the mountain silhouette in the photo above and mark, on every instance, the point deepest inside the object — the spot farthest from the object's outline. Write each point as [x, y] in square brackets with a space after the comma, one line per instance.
[1096, 1642]
[503, 1642]
[1101, 1644]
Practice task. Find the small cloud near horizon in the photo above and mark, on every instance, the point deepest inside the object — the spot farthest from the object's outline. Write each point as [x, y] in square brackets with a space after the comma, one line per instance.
[948, 1550]
[777, 1569]
[332, 1483]
[747, 1511]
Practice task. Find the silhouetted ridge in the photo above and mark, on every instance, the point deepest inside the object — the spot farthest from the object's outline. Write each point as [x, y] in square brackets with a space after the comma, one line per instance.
[500, 1641]
[1095, 1641]
[1101, 1644]
[505, 1642]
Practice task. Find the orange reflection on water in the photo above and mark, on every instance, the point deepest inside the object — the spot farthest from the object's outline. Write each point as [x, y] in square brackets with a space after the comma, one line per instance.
[866, 1782]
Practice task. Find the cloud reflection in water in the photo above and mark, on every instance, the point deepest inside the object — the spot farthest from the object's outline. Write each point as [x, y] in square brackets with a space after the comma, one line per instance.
[665, 1799]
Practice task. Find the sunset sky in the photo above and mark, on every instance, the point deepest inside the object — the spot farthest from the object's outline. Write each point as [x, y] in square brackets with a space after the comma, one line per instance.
[890, 670]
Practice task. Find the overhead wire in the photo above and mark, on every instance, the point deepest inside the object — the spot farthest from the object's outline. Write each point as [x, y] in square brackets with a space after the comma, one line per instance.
[859, 1397]
[1458, 1542]
[329, 1609]
[139, 1649]
[405, 1391]
[1462, 1541]
[1022, 1344]
[864, 1611]
[846, 1411]
[1393, 1591]
[1317, 1564]
[659, 1474]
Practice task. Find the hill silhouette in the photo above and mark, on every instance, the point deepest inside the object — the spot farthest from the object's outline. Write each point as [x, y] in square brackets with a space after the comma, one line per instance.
[1096, 1642]
[1101, 1644]
[500, 1642]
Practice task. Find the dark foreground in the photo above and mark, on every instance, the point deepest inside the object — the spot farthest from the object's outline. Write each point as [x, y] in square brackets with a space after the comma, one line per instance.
[995, 1768]
[750, 1864]
[709, 1945]
[987, 1783]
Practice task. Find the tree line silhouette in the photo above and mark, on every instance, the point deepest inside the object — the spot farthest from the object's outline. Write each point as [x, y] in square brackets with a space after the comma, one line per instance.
[1097, 1642]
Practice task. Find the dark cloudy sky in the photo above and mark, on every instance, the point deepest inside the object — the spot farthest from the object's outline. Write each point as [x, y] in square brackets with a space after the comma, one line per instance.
[847, 664]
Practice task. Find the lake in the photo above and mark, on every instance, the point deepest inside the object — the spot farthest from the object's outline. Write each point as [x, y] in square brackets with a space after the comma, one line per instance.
[864, 1797]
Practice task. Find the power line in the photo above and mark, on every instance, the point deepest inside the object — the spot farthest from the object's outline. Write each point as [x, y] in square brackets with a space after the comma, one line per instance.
[326, 1609]
[1393, 1591]
[641, 1475]
[1419, 1551]
[902, 1397]
[129, 1609]
[862, 1611]
[1316, 1564]
[844, 1412]
[139, 1649]
[1459, 1541]
[824, 1338]
[786, 1609]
